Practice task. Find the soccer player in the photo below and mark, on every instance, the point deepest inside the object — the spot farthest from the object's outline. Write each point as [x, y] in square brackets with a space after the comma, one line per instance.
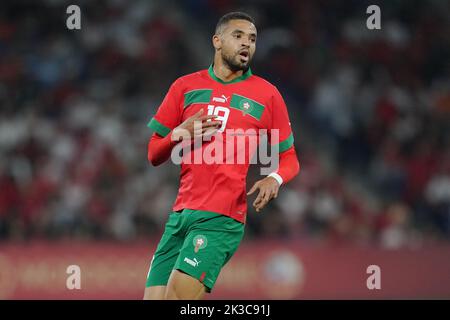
[207, 222]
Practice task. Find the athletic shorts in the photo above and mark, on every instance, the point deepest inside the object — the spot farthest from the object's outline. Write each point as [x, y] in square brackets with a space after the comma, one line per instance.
[198, 243]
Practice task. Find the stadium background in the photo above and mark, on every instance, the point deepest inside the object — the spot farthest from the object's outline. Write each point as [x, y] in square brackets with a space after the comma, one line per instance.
[369, 109]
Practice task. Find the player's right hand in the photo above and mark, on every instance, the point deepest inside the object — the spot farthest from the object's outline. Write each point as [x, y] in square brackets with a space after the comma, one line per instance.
[196, 126]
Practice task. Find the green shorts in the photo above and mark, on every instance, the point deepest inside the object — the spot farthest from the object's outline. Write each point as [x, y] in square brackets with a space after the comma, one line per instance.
[198, 243]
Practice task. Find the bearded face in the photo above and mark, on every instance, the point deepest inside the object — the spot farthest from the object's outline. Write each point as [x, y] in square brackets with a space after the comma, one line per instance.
[238, 44]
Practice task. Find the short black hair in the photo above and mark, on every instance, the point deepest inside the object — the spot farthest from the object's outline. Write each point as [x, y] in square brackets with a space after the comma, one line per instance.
[232, 16]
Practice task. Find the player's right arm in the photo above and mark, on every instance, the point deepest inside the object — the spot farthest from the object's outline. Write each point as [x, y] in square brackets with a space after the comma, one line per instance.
[168, 128]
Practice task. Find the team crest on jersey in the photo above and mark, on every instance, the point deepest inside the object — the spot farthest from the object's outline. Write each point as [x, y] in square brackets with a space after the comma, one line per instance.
[199, 242]
[246, 107]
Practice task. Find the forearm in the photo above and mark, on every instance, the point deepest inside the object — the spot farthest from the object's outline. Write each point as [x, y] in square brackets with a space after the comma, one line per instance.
[288, 168]
[159, 148]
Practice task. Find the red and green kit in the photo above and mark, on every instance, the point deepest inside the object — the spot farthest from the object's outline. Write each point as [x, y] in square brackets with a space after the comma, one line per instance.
[206, 225]
[247, 102]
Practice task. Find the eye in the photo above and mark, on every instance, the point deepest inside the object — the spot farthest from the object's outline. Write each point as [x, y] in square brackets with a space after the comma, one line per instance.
[237, 36]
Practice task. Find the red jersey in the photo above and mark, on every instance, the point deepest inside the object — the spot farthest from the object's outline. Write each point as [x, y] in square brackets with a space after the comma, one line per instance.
[247, 102]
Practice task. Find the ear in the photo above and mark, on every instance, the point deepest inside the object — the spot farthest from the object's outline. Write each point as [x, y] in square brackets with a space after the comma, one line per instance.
[217, 42]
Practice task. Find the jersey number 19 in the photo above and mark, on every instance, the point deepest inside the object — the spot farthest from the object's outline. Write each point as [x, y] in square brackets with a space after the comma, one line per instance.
[221, 114]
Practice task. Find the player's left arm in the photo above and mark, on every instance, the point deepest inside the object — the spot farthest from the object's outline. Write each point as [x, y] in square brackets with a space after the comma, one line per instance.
[289, 165]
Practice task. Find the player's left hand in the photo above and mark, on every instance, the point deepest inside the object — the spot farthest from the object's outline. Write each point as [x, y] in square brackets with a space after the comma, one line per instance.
[268, 189]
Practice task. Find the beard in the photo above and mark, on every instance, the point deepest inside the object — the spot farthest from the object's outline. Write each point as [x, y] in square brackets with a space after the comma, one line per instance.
[234, 64]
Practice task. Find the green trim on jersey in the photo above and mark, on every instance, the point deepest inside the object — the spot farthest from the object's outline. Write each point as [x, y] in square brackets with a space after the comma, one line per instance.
[197, 96]
[244, 76]
[247, 106]
[158, 127]
[286, 144]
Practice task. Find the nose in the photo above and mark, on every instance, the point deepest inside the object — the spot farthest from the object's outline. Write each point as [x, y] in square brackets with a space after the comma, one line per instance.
[245, 42]
[245, 45]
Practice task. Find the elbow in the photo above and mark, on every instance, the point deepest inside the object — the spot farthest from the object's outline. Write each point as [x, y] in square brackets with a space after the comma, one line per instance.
[296, 168]
[153, 160]
[294, 163]
[152, 157]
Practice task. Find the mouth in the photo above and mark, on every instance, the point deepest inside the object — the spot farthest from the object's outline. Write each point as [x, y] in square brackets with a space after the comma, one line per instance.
[244, 56]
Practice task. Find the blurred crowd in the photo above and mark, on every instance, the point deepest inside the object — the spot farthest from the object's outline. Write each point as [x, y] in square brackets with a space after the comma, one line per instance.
[370, 112]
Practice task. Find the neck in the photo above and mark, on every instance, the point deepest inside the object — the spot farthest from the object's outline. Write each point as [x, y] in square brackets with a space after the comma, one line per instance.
[223, 72]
